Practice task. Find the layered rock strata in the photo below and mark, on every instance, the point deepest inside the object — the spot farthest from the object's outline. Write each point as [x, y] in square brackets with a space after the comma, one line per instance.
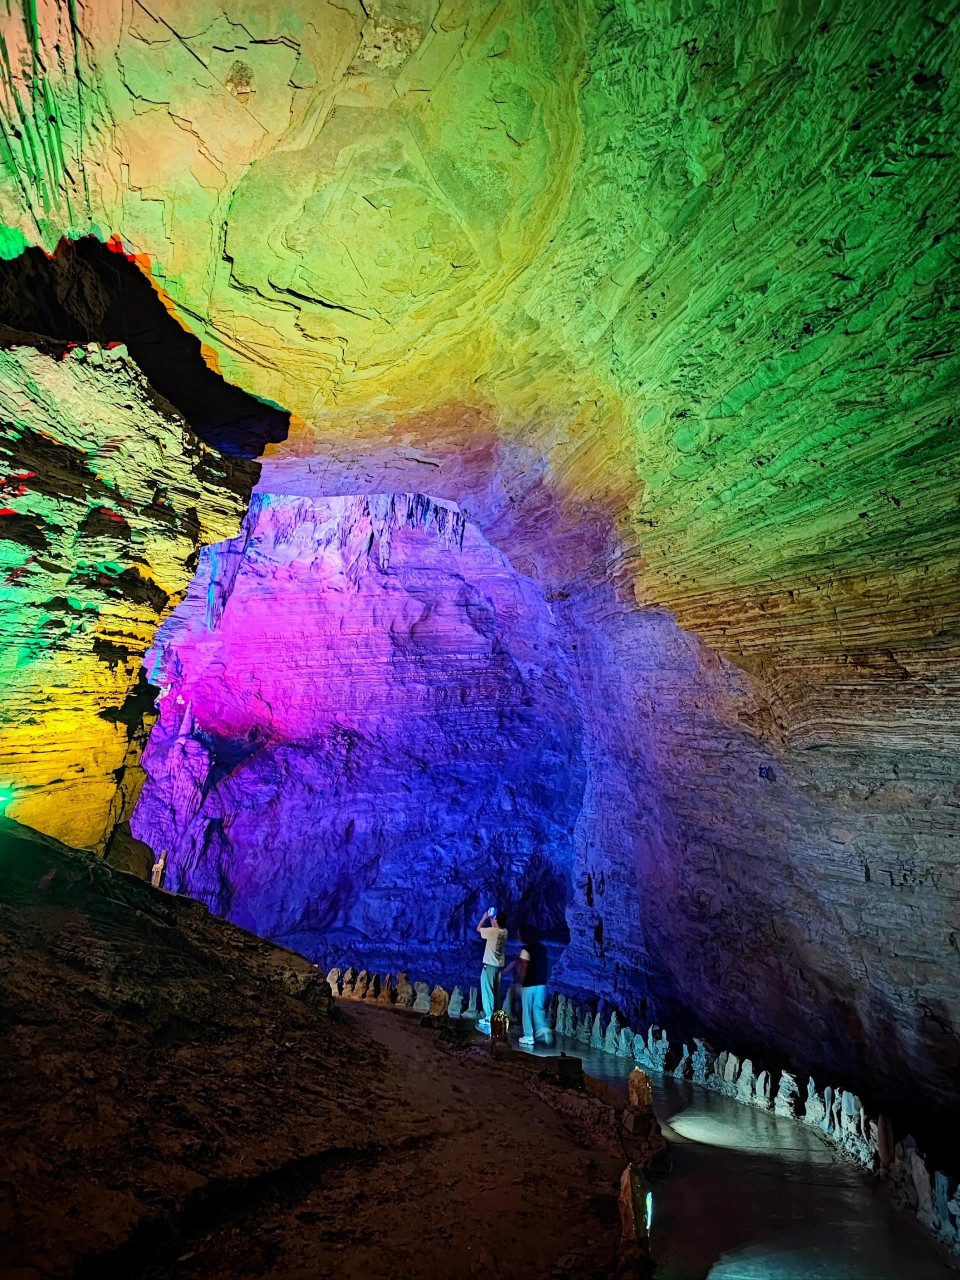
[665, 297]
[366, 728]
[108, 497]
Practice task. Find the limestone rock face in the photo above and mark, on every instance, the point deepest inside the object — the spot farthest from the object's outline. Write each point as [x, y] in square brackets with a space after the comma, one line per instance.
[107, 497]
[366, 726]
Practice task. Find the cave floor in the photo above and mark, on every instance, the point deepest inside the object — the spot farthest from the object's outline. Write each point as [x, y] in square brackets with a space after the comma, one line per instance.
[181, 1099]
[474, 1175]
[754, 1197]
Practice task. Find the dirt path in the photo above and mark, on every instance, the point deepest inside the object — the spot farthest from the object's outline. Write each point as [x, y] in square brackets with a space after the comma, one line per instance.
[473, 1175]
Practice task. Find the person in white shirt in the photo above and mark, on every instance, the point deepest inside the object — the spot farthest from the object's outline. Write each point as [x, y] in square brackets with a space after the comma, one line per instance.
[494, 935]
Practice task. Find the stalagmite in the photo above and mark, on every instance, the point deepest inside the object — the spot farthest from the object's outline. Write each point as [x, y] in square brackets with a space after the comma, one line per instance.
[787, 1101]
[561, 1013]
[569, 1027]
[422, 1002]
[639, 1089]
[886, 1147]
[640, 1052]
[704, 1060]
[405, 992]
[456, 1003]
[746, 1083]
[826, 1123]
[731, 1072]
[586, 1024]
[610, 1042]
[761, 1092]
[814, 1108]
[439, 1002]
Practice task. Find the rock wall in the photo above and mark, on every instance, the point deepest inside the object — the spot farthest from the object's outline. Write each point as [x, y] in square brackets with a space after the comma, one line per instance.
[366, 728]
[665, 297]
[796, 902]
[107, 497]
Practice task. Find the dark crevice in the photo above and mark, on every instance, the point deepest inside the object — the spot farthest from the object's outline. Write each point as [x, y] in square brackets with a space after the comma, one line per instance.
[88, 292]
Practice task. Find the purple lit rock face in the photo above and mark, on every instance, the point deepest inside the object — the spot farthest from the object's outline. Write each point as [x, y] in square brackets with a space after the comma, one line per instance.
[367, 732]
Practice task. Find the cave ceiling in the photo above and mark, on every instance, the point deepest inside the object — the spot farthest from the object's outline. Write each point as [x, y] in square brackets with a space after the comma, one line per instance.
[696, 263]
[660, 299]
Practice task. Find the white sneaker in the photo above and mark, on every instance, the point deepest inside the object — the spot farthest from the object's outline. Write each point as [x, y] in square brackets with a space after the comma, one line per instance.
[527, 1041]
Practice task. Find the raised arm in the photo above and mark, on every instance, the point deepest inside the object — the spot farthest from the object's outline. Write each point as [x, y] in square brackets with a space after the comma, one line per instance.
[485, 920]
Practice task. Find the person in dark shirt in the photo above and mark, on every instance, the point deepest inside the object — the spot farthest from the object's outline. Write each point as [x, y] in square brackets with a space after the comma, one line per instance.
[533, 969]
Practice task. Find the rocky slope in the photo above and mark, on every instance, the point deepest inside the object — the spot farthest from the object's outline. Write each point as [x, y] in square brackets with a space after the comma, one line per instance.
[180, 1098]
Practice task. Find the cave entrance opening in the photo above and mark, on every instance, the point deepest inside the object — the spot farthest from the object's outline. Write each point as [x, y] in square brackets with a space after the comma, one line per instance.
[368, 730]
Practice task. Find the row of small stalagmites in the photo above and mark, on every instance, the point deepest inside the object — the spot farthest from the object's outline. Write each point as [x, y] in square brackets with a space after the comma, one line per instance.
[399, 990]
[838, 1114]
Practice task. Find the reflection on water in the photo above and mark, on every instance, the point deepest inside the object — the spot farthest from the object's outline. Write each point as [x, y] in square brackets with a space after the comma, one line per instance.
[755, 1197]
